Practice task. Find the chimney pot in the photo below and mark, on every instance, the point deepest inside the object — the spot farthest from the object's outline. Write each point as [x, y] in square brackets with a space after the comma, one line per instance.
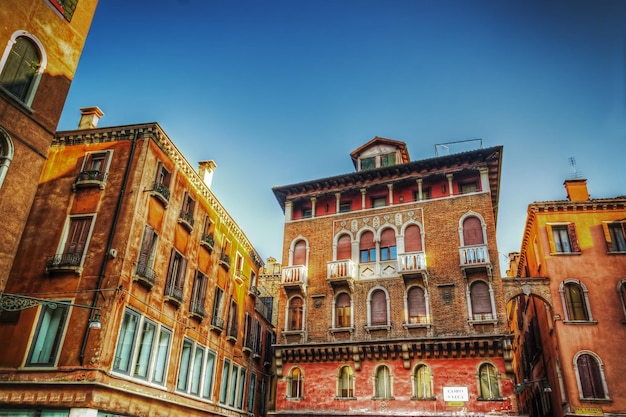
[205, 170]
[89, 117]
[576, 189]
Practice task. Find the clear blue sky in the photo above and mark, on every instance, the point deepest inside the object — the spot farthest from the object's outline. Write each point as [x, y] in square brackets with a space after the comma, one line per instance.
[278, 92]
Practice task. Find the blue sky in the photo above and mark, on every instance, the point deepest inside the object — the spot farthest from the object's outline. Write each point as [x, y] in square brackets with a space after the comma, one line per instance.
[278, 92]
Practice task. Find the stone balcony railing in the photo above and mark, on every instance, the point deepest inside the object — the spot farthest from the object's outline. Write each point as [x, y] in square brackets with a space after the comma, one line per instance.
[475, 255]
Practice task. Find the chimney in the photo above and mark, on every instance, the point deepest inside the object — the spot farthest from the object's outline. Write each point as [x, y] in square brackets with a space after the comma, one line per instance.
[576, 189]
[89, 117]
[205, 170]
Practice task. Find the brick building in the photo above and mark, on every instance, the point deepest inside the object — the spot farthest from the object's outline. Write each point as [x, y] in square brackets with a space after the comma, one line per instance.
[133, 292]
[391, 298]
[40, 44]
[572, 270]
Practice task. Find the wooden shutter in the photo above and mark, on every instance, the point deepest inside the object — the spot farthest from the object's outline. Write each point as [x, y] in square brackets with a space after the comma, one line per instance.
[417, 302]
[412, 239]
[344, 247]
[472, 231]
[146, 246]
[571, 231]
[388, 238]
[607, 237]
[378, 308]
[481, 301]
[77, 236]
[299, 253]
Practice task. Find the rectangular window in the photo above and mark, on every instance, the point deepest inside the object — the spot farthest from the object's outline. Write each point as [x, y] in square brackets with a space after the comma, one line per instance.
[345, 207]
[368, 255]
[196, 372]
[563, 238]
[147, 255]
[307, 213]
[241, 389]
[95, 168]
[379, 202]
[65, 7]
[233, 320]
[187, 210]
[239, 263]
[184, 366]
[161, 186]
[209, 371]
[218, 307]
[251, 393]
[232, 389]
[143, 348]
[198, 294]
[467, 188]
[176, 276]
[368, 163]
[225, 379]
[74, 243]
[48, 335]
[615, 236]
[388, 160]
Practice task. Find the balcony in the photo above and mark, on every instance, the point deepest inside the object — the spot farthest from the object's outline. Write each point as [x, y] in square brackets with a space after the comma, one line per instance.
[197, 309]
[474, 256]
[90, 179]
[217, 324]
[294, 278]
[174, 294]
[161, 193]
[145, 275]
[225, 261]
[254, 291]
[341, 273]
[208, 241]
[240, 277]
[185, 219]
[65, 262]
[412, 265]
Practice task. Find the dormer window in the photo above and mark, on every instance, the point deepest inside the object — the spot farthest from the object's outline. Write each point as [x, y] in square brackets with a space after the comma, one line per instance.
[388, 160]
[368, 163]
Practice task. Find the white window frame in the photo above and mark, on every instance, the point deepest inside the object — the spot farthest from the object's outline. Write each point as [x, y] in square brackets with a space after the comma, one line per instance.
[7, 156]
[40, 338]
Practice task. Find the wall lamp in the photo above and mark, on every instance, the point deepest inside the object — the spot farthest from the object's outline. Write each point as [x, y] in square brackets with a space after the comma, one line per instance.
[543, 383]
[14, 302]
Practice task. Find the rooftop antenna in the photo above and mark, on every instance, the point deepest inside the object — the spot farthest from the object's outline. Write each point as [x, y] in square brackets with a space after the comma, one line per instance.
[446, 148]
[572, 162]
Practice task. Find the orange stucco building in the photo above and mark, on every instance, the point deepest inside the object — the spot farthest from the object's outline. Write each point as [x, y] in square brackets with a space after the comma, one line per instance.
[572, 314]
[133, 292]
[40, 44]
[391, 298]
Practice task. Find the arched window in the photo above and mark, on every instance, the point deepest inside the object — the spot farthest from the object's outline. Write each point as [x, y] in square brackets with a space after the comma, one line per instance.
[22, 69]
[416, 305]
[299, 253]
[388, 250]
[295, 383]
[378, 308]
[481, 301]
[422, 382]
[6, 154]
[575, 301]
[345, 382]
[472, 231]
[412, 239]
[382, 383]
[590, 377]
[294, 314]
[488, 386]
[343, 316]
[367, 247]
[344, 247]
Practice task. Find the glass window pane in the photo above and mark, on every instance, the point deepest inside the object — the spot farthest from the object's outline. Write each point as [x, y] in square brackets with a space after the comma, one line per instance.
[48, 335]
[209, 369]
[162, 355]
[146, 344]
[126, 342]
[196, 375]
[183, 369]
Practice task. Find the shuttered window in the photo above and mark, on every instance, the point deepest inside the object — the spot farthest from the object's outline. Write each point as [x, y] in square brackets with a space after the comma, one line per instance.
[367, 247]
[20, 69]
[417, 305]
[378, 308]
[344, 247]
[615, 236]
[563, 238]
[299, 253]
[295, 314]
[590, 377]
[77, 235]
[413, 239]
[489, 388]
[481, 301]
[472, 231]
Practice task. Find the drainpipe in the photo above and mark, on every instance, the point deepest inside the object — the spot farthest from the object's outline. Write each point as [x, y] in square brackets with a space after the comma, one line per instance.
[109, 246]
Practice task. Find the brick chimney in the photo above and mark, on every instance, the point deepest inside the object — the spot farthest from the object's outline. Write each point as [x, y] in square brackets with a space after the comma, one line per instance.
[205, 170]
[576, 189]
[89, 117]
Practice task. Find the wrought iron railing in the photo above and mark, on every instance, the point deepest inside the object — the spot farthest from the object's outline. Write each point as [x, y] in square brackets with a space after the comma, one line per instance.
[146, 272]
[162, 190]
[61, 260]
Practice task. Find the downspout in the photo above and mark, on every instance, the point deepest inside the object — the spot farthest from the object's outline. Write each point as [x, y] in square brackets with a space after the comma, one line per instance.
[109, 246]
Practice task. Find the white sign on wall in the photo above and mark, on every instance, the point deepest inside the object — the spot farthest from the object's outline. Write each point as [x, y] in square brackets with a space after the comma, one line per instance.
[455, 394]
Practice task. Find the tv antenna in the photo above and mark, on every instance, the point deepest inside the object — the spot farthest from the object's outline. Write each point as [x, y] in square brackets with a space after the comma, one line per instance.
[572, 162]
